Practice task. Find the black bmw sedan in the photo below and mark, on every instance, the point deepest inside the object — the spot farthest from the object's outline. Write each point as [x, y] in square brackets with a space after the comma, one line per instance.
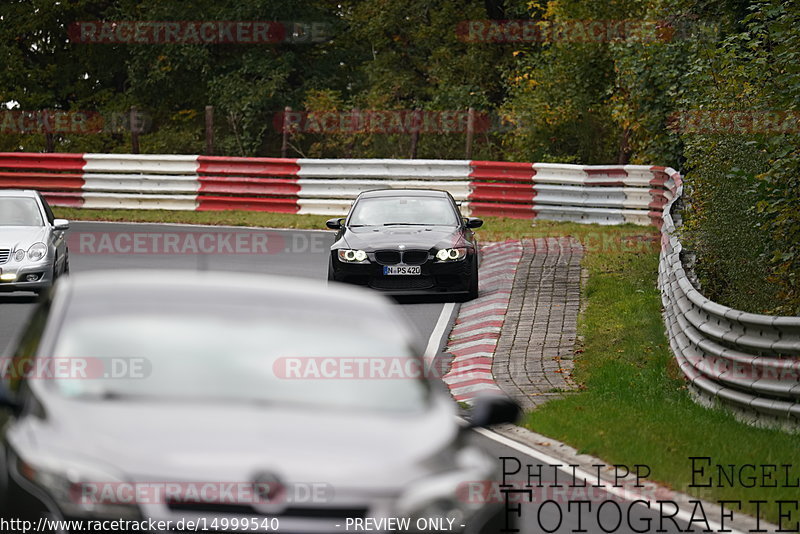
[406, 242]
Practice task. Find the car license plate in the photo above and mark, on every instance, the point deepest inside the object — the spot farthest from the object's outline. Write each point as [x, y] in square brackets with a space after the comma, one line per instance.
[402, 269]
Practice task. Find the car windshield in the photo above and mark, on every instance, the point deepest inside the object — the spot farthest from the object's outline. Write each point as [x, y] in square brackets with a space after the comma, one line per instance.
[19, 211]
[377, 211]
[288, 357]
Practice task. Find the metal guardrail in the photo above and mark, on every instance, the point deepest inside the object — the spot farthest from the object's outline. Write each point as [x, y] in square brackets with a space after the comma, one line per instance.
[600, 194]
[747, 361]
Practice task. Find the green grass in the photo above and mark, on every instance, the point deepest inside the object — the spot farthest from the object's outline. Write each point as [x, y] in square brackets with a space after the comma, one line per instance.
[632, 405]
[218, 218]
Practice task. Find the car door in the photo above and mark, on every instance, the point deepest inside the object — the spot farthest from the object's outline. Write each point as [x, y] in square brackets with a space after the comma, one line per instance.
[57, 237]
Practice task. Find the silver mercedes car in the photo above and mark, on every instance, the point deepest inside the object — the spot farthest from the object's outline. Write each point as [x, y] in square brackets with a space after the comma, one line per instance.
[33, 247]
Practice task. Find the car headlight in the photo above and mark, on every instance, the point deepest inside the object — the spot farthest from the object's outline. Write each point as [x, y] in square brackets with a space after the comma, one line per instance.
[77, 488]
[37, 251]
[352, 256]
[451, 254]
[19, 255]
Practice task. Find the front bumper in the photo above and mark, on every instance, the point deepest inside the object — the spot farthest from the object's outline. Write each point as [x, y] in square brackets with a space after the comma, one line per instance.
[42, 270]
[435, 278]
[299, 517]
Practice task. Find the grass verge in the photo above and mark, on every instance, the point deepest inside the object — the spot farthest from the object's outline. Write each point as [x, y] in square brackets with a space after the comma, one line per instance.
[633, 405]
[216, 218]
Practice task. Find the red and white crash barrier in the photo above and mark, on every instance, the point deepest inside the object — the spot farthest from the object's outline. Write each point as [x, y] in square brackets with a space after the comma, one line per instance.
[594, 194]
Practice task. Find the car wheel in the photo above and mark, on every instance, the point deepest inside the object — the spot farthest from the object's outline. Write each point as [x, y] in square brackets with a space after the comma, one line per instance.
[472, 290]
[66, 265]
[473, 282]
[330, 270]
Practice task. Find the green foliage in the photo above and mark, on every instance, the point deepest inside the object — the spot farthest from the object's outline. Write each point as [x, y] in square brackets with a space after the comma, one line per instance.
[599, 100]
[626, 100]
[720, 230]
[743, 183]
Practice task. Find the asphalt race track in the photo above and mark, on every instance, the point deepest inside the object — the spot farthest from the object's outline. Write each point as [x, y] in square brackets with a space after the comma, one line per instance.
[303, 253]
[299, 253]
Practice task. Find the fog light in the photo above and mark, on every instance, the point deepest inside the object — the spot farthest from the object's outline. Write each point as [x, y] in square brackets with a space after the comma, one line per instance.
[8, 277]
[32, 277]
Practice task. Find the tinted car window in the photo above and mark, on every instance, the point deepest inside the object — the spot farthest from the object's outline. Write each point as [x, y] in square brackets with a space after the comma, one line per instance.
[287, 357]
[403, 210]
[20, 211]
[48, 212]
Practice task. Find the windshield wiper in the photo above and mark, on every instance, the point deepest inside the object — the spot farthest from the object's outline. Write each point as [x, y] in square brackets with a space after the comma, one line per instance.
[405, 224]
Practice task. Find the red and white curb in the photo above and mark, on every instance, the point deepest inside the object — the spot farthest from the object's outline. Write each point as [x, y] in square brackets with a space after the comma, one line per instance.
[476, 330]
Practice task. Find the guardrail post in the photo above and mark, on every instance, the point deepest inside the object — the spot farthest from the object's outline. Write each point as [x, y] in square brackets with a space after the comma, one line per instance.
[285, 131]
[134, 123]
[49, 142]
[209, 130]
[470, 132]
[415, 137]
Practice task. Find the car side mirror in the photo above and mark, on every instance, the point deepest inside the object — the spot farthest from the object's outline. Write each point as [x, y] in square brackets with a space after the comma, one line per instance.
[494, 409]
[474, 222]
[61, 224]
[334, 224]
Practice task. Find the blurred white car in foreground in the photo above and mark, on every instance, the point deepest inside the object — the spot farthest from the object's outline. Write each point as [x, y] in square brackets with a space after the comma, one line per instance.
[218, 397]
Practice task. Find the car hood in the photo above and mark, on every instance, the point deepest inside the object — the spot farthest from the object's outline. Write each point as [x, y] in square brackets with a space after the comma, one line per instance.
[164, 442]
[422, 237]
[14, 237]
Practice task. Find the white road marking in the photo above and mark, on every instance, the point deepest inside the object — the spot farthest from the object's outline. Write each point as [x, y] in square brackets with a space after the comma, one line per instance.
[477, 332]
[459, 345]
[480, 321]
[478, 309]
[438, 331]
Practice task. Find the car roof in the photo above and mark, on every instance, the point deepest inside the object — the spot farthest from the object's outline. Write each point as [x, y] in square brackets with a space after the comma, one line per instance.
[114, 291]
[27, 193]
[403, 193]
